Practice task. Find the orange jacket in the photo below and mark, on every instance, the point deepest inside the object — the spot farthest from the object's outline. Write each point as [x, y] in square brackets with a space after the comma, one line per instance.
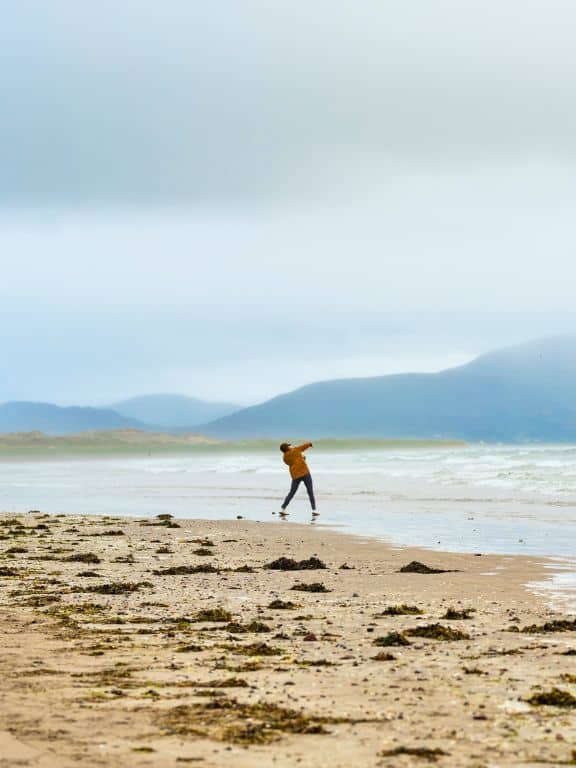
[296, 461]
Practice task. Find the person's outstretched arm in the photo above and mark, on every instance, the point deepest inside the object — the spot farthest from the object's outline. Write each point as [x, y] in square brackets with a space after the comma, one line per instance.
[303, 447]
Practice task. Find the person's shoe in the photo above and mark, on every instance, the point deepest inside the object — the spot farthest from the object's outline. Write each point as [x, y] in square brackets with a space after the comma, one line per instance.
[315, 514]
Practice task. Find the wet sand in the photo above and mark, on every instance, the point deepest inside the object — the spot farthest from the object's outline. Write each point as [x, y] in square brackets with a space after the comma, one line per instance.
[130, 666]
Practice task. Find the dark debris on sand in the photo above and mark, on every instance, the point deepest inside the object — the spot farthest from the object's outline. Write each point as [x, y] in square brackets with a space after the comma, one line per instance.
[417, 567]
[288, 564]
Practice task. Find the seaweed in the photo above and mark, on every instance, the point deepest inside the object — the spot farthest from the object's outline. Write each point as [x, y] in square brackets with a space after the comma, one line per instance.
[255, 649]
[5, 571]
[189, 648]
[316, 586]
[38, 601]
[165, 522]
[83, 557]
[129, 559]
[283, 605]
[558, 625]
[16, 551]
[455, 614]
[184, 570]
[417, 567]
[437, 632]
[228, 720]
[425, 753]
[231, 682]
[254, 627]
[400, 610]
[553, 698]
[212, 614]
[473, 671]
[115, 587]
[88, 574]
[203, 552]
[287, 564]
[243, 569]
[384, 656]
[392, 638]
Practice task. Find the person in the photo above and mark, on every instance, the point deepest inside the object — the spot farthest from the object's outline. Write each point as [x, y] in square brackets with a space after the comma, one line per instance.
[299, 472]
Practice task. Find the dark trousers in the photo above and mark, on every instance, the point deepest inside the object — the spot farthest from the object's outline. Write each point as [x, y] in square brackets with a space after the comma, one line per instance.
[307, 480]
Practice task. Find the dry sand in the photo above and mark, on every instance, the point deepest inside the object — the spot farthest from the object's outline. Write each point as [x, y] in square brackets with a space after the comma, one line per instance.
[135, 679]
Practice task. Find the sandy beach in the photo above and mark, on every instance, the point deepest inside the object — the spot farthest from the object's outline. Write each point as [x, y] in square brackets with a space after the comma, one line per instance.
[160, 642]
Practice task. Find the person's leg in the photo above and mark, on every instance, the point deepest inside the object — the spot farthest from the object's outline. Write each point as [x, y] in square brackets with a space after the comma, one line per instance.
[307, 479]
[291, 492]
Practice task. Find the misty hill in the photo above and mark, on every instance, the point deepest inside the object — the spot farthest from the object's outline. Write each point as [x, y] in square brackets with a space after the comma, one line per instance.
[172, 411]
[522, 393]
[52, 419]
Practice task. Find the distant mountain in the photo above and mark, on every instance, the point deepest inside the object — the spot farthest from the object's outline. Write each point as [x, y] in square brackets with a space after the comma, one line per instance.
[522, 393]
[172, 411]
[54, 420]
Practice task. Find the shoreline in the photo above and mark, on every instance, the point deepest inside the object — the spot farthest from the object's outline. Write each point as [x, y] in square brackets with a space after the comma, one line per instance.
[96, 674]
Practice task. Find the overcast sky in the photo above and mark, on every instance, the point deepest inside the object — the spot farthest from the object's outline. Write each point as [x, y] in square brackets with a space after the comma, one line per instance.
[232, 199]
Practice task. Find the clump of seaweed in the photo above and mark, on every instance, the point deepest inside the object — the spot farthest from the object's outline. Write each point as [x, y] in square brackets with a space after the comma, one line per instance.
[115, 587]
[38, 601]
[164, 522]
[400, 610]
[425, 753]
[212, 614]
[416, 567]
[228, 720]
[254, 627]
[16, 551]
[456, 614]
[231, 682]
[184, 570]
[315, 586]
[129, 559]
[558, 625]
[203, 542]
[568, 678]
[110, 532]
[88, 574]
[255, 649]
[83, 557]
[163, 551]
[189, 648]
[288, 564]
[437, 632]
[473, 671]
[5, 571]
[203, 552]
[283, 605]
[384, 656]
[553, 698]
[392, 638]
